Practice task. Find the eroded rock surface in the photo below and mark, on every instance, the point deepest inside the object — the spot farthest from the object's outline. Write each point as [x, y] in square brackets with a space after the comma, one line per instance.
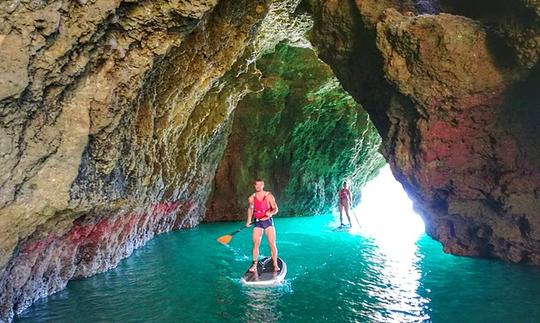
[452, 98]
[113, 118]
[303, 134]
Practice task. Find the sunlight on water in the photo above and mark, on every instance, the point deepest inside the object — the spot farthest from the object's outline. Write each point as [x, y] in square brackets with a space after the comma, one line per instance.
[384, 270]
[385, 215]
[399, 279]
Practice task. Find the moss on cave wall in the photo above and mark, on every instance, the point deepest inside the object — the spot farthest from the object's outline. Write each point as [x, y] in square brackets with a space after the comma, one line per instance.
[303, 134]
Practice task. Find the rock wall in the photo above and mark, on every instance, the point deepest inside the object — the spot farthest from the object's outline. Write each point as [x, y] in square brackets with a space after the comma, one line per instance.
[113, 117]
[303, 134]
[94, 243]
[451, 95]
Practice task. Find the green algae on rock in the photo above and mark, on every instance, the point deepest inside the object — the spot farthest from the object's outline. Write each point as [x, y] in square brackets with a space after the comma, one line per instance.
[303, 134]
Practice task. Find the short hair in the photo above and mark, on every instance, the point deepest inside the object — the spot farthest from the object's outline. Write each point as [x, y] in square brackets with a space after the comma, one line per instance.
[258, 180]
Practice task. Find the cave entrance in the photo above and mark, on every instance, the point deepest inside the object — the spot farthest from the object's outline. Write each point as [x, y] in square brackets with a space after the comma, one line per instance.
[385, 211]
[302, 133]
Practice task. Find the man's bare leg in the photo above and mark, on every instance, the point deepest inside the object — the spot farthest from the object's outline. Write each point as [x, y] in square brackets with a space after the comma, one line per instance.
[271, 237]
[257, 235]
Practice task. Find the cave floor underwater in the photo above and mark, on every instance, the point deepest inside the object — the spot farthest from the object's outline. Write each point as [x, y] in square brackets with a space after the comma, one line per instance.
[357, 275]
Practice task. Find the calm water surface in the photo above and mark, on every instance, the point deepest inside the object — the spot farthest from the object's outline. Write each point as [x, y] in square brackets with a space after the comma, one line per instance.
[186, 276]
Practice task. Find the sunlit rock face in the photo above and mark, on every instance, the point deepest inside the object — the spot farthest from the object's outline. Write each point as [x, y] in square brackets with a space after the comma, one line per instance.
[303, 134]
[453, 97]
[113, 117]
[115, 114]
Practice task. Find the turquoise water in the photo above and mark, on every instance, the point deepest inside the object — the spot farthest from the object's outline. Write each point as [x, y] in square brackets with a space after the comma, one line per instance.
[186, 276]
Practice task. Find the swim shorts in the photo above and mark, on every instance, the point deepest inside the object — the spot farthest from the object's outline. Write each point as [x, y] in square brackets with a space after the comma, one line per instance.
[264, 223]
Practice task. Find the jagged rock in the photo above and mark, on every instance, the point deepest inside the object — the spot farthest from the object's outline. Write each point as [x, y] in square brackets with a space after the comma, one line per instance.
[125, 111]
[92, 244]
[14, 74]
[443, 92]
[514, 27]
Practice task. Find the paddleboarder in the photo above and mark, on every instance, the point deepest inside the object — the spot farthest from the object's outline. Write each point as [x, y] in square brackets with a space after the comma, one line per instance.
[344, 202]
[262, 207]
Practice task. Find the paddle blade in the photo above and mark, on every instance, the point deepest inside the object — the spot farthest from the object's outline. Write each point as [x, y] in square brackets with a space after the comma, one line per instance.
[225, 239]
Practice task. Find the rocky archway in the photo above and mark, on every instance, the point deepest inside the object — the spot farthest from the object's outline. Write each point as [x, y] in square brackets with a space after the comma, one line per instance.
[440, 89]
[302, 133]
[114, 116]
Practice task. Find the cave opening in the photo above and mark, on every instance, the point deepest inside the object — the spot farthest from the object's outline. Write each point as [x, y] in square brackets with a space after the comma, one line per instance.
[303, 134]
[115, 120]
[386, 212]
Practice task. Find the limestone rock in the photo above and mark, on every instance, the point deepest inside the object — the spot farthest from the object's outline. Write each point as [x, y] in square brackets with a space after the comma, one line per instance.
[447, 94]
[117, 133]
[13, 73]
[302, 134]
[514, 27]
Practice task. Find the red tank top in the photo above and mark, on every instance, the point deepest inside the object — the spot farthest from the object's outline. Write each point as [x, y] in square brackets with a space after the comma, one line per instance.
[260, 207]
[343, 194]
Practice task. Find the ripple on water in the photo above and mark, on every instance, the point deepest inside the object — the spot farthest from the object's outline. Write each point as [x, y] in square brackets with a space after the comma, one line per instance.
[186, 276]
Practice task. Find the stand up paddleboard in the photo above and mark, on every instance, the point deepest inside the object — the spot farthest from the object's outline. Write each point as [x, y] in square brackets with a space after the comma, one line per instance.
[345, 227]
[265, 275]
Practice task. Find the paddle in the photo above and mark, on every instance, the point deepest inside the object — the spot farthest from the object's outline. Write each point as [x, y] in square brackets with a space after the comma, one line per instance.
[354, 215]
[228, 237]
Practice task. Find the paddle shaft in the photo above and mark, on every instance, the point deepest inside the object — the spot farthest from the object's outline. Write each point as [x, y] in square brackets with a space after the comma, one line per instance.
[242, 228]
[235, 232]
[354, 214]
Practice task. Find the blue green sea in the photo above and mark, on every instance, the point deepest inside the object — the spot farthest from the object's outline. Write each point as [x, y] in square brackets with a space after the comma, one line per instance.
[186, 276]
[385, 269]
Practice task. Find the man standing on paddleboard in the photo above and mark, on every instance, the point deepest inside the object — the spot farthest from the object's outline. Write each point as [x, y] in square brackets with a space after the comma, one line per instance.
[262, 207]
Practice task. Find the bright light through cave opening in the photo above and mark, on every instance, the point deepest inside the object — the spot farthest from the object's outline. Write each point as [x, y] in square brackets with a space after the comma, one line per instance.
[386, 212]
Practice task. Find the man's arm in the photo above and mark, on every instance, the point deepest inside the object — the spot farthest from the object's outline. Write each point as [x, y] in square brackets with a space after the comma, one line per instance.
[249, 211]
[273, 205]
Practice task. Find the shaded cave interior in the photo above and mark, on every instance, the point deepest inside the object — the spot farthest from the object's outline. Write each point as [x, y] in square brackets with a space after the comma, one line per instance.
[302, 133]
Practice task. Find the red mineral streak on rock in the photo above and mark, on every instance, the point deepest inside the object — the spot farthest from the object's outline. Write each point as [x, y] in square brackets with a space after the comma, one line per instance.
[45, 266]
[445, 93]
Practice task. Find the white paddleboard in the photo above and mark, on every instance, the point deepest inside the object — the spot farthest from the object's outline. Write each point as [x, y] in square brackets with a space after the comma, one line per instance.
[265, 274]
[346, 227]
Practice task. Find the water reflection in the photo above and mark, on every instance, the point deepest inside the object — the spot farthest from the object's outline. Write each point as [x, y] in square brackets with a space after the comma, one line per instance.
[396, 265]
[333, 277]
[262, 305]
[393, 273]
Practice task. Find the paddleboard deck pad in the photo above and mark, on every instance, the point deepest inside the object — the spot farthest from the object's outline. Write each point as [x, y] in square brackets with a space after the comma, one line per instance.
[265, 275]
